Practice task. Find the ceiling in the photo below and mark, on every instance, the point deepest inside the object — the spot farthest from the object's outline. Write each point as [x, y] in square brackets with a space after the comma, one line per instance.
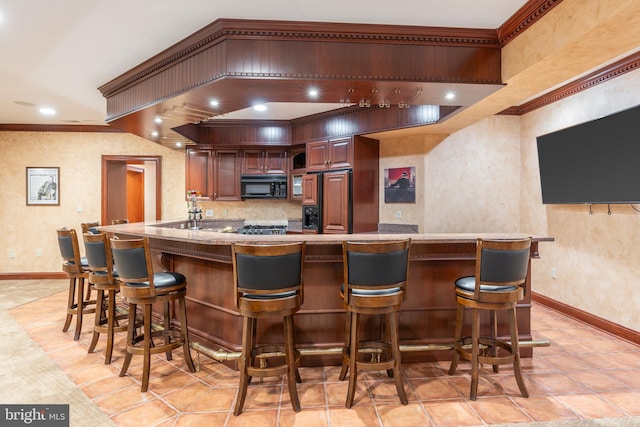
[56, 54]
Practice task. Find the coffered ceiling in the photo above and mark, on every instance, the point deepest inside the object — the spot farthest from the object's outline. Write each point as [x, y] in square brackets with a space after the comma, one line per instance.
[57, 54]
[60, 54]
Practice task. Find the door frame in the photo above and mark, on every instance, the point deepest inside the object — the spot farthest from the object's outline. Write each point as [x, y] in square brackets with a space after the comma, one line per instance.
[130, 160]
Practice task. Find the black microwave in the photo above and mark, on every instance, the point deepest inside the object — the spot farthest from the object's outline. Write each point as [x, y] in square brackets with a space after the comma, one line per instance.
[263, 186]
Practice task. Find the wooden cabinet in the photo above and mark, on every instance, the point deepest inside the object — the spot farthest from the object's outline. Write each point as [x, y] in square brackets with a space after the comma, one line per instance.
[310, 190]
[199, 172]
[331, 154]
[336, 210]
[298, 156]
[298, 167]
[226, 175]
[259, 161]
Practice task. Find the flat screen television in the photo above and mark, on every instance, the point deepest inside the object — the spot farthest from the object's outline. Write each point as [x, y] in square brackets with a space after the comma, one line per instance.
[597, 162]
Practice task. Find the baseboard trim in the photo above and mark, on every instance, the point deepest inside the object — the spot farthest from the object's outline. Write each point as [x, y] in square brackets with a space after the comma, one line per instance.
[588, 318]
[30, 275]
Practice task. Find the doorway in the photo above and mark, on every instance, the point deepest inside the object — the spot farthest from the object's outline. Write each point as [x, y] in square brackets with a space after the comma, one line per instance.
[131, 188]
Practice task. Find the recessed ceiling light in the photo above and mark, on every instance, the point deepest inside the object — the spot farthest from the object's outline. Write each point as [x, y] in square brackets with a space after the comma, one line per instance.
[178, 144]
[158, 119]
[154, 134]
[450, 95]
[313, 93]
[260, 107]
[214, 103]
[47, 111]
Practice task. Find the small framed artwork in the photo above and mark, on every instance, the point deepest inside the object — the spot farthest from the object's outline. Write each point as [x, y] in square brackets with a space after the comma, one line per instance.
[43, 186]
[400, 185]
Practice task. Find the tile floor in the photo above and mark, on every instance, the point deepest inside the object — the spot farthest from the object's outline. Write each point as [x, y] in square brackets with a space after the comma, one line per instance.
[585, 374]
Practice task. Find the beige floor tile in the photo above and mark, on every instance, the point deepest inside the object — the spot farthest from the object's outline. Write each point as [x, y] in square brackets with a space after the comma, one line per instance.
[583, 374]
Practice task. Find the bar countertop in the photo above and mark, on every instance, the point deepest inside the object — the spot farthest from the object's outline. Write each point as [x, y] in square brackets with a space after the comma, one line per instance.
[427, 316]
[170, 230]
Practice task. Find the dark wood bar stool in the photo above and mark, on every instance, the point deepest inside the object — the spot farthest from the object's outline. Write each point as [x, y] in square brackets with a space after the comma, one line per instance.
[90, 227]
[268, 283]
[501, 272]
[375, 279]
[141, 286]
[105, 281]
[119, 221]
[76, 268]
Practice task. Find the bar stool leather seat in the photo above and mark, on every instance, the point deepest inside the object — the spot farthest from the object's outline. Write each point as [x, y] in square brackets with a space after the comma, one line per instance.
[268, 284]
[141, 286]
[499, 282]
[104, 278]
[77, 269]
[375, 278]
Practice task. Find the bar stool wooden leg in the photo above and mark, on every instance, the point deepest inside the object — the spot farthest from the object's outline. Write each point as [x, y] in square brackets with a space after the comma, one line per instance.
[100, 315]
[70, 302]
[347, 346]
[292, 372]
[395, 353]
[353, 360]
[111, 324]
[167, 327]
[182, 313]
[131, 335]
[515, 350]
[493, 324]
[147, 343]
[457, 337]
[80, 308]
[475, 344]
[248, 326]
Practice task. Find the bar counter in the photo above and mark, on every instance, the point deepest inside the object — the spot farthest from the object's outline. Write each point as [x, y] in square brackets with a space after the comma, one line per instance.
[426, 319]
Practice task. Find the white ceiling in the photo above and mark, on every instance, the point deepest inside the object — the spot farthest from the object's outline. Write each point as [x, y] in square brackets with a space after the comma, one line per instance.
[56, 53]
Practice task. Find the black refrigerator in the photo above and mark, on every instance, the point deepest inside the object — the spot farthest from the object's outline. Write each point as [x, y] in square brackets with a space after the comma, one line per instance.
[327, 202]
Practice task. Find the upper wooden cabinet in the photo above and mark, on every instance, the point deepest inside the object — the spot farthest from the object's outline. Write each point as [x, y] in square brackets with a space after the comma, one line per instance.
[199, 172]
[227, 175]
[258, 161]
[298, 156]
[331, 154]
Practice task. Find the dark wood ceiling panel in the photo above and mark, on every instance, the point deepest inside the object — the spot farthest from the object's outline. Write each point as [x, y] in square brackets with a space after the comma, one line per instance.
[241, 60]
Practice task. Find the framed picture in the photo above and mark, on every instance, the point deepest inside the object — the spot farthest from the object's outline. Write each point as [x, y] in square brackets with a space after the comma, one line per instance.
[43, 186]
[400, 185]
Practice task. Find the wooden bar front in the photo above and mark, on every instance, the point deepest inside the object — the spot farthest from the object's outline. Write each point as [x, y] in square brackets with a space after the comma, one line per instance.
[427, 317]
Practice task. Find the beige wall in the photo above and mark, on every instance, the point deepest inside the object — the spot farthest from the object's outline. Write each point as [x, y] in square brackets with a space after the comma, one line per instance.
[596, 256]
[467, 182]
[29, 228]
[79, 156]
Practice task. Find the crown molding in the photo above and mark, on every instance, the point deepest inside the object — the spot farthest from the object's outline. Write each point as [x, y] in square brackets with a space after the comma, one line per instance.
[244, 29]
[602, 75]
[524, 18]
[19, 127]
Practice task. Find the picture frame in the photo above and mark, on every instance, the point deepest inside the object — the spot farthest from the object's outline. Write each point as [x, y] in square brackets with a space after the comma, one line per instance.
[43, 186]
[400, 185]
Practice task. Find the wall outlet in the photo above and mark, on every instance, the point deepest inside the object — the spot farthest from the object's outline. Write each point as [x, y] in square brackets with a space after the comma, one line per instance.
[554, 273]
[398, 213]
[208, 212]
[12, 253]
[225, 212]
[79, 209]
[38, 252]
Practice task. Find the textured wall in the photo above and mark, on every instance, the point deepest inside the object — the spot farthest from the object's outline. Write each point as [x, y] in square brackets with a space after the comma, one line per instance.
[595, 256]
[78, 155]
[467, 182]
